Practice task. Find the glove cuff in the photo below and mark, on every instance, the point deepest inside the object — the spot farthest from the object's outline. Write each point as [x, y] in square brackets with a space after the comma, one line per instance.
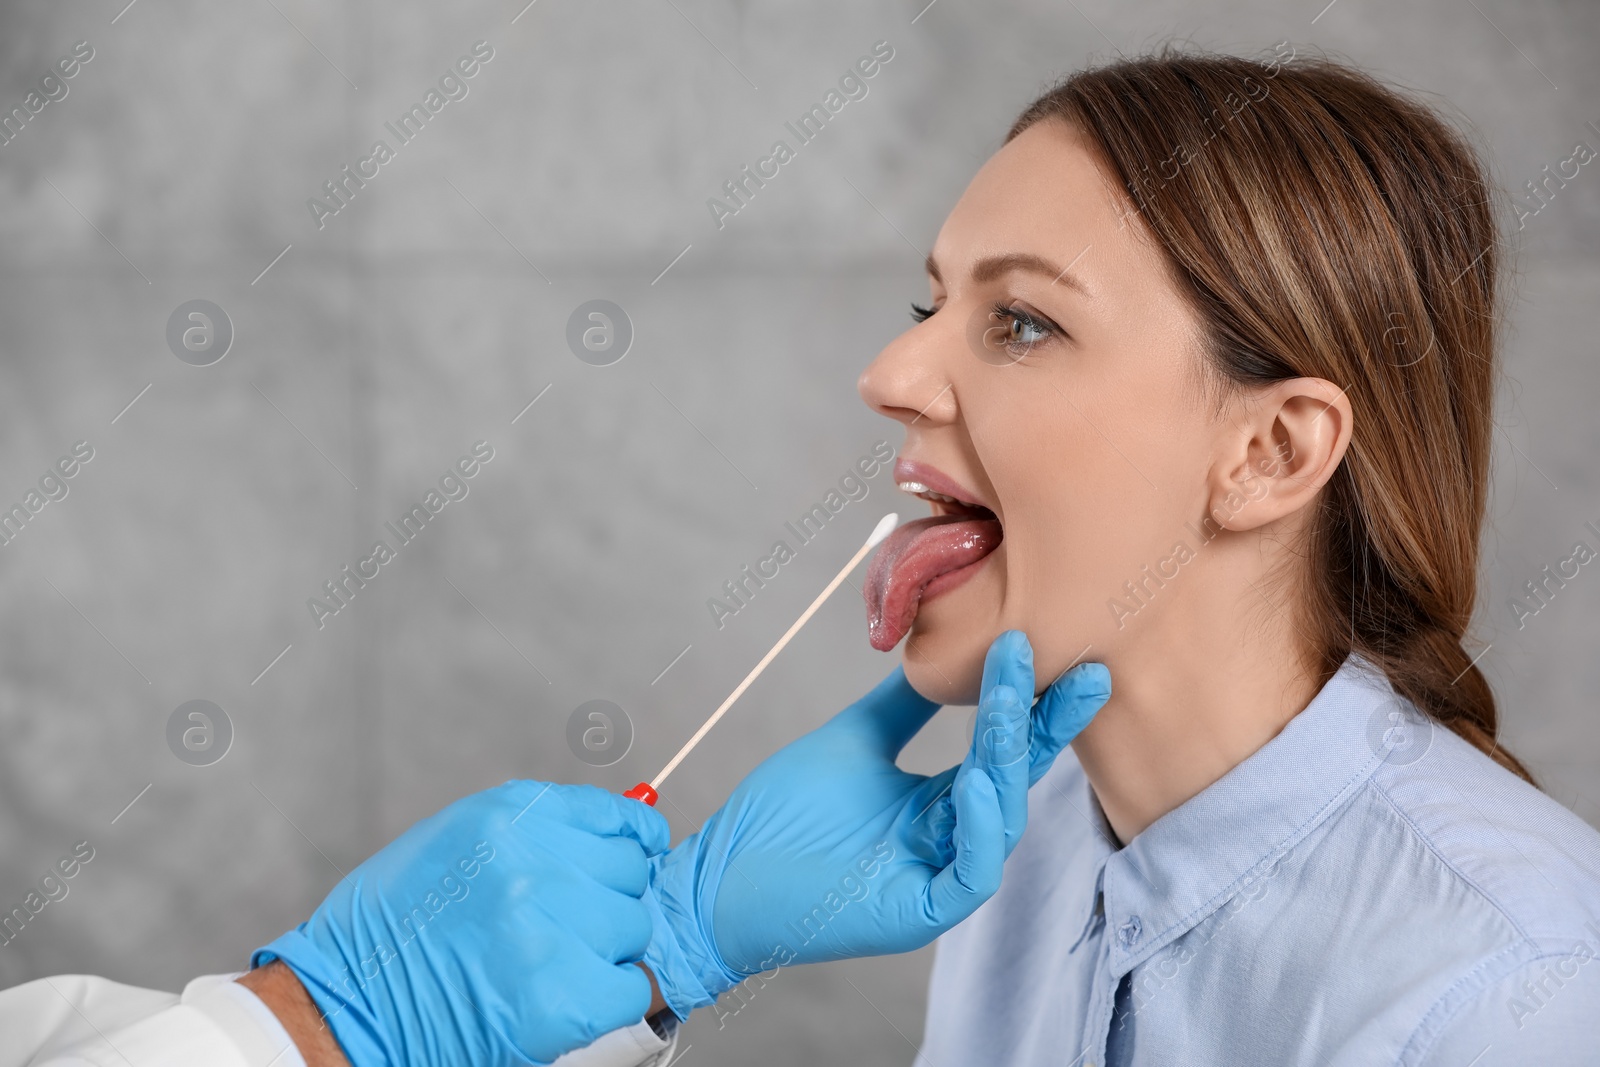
[337, 997]
[686, 964]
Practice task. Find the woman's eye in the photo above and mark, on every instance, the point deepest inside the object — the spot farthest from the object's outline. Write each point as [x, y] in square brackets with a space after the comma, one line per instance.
[1016, 330]
[1009, 332]
[1024, 329]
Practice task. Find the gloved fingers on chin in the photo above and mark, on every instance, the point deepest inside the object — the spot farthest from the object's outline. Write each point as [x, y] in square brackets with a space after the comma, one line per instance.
[1000, 746]
[1062, 713]
[1009, 661]
[1002, 731]
[973, 875]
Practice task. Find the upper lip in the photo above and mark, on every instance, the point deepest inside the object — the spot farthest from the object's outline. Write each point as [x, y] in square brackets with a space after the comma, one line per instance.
[910, 470]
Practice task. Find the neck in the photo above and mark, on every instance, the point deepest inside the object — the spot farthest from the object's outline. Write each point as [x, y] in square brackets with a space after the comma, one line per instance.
[1202, 684]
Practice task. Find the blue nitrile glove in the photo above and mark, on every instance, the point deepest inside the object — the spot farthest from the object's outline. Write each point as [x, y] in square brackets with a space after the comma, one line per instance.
[828, 850]
[499, 931]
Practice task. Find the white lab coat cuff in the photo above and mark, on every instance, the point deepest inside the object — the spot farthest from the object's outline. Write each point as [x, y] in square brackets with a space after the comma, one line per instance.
[241, 1015]
[639, 1045]
[216, 1023]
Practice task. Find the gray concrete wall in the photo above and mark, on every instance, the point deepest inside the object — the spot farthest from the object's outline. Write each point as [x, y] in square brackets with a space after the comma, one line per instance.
[427, 313]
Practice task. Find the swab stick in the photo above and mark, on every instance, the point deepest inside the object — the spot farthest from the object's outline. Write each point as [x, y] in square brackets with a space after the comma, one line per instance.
[647, 791]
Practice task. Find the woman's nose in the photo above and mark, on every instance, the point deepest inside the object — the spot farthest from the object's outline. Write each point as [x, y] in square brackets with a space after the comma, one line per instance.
[907, 381]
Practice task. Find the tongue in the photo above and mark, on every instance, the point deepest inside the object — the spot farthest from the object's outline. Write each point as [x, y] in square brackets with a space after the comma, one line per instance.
[914, 555]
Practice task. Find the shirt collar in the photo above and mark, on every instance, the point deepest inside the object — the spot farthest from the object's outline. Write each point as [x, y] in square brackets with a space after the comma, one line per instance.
[1189, 862]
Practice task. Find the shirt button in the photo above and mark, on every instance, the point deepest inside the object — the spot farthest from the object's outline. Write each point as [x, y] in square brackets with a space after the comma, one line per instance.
[1129, 931]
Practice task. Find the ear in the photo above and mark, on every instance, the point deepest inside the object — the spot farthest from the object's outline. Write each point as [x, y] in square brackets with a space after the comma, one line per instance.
[1286, 443]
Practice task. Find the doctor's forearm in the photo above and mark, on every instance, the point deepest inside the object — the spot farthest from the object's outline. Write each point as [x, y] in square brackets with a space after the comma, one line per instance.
[276, 986]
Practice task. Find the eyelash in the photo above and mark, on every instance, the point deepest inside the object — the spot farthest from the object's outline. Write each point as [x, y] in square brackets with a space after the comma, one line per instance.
[1033, 322]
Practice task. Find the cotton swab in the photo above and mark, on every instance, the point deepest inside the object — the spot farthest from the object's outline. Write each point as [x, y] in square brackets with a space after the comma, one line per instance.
[647, 791]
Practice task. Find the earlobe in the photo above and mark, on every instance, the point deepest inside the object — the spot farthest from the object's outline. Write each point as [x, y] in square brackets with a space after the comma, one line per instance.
[1292, 438]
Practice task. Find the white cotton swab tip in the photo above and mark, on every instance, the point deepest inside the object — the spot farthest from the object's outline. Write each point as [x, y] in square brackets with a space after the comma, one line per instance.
[884, 528]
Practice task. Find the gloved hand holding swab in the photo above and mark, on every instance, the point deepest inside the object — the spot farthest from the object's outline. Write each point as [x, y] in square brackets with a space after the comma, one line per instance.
[647, 791]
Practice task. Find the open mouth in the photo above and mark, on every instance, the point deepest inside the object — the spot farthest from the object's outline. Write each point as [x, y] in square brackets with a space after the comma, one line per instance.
[925, 557]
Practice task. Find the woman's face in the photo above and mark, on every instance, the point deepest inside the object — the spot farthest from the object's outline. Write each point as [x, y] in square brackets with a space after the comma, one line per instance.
[1075, 417]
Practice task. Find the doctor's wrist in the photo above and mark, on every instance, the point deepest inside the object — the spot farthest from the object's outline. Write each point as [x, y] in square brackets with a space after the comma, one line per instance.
[276, 986]
[681, 960]
[658, 1002]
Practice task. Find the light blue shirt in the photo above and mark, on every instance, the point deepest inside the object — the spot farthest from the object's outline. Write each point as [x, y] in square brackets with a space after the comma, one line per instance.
[1367, 889]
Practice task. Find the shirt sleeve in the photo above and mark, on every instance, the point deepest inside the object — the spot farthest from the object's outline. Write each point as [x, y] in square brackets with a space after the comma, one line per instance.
[1543, 1013]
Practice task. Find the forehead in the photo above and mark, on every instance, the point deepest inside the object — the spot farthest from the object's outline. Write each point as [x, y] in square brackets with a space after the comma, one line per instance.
[1044, 193]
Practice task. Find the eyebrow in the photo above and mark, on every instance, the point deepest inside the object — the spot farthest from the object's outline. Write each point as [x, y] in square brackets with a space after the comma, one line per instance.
[989, 268]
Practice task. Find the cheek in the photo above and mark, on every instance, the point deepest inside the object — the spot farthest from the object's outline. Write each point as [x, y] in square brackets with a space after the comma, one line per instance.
[1095, 480]
[1090, 499]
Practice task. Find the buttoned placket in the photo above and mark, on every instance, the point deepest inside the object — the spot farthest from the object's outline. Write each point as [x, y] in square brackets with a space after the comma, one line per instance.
[1127, 938]
[1103, 991]
[1093, 942]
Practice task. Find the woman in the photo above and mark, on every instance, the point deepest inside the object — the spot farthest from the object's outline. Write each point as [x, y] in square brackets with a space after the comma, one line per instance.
[1245, 462]
[1204, 393]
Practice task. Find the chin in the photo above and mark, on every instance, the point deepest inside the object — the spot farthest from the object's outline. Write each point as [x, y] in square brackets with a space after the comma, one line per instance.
[944, 650]
[945, 667]
[943, 657]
